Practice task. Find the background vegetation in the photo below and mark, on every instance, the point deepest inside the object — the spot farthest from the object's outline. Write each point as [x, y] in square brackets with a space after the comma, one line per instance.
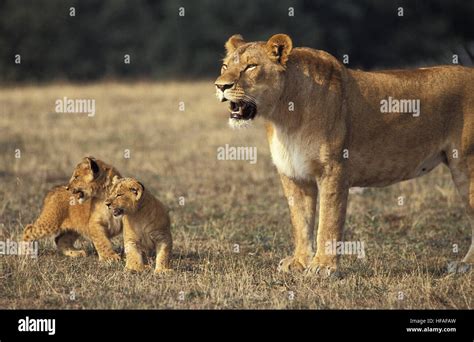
[162, 44]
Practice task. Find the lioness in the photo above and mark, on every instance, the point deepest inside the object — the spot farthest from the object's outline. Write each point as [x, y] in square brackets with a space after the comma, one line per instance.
[328, 132]
[83, 213]
[146, 223]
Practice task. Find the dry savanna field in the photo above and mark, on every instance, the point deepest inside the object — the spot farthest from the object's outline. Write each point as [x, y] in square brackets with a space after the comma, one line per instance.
[231, 221]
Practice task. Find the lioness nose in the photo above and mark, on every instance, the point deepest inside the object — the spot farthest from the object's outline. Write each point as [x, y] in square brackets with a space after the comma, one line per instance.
[224, 86]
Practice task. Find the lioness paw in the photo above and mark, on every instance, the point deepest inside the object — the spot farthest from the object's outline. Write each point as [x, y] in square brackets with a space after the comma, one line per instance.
[290, 264]
[323, 271]
[323, 268]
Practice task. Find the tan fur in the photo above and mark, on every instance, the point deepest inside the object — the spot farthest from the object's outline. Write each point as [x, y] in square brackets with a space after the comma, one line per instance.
[79, 211]
[146, 223]
[337, 111]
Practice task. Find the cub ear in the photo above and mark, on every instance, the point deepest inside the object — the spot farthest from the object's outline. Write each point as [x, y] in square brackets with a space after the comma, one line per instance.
[143, 187]
[233, 43]
[279, 48]
[138, 192]
[93, 166]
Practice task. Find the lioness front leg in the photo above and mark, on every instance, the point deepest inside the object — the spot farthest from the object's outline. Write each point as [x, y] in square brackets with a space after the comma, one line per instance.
[97, 233]
[302, 198]
[332, 213]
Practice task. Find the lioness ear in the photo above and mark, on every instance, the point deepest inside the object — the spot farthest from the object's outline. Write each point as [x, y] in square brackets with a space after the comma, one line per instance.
[279, 48]
[93, 166]
[233, 43]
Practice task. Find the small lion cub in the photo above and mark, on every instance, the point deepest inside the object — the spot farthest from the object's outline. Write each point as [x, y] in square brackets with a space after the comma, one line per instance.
[146, 223]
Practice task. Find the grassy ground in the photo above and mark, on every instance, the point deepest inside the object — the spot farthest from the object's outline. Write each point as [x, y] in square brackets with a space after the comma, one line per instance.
[227, 203]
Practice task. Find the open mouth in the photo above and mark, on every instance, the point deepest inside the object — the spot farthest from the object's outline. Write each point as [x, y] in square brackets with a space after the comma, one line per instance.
[242, 110]
[117, 212]
[79, 193]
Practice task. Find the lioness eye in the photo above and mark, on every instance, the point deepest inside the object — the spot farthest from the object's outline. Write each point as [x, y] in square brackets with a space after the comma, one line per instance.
[224, 68]
[118, 195]
[250, 67]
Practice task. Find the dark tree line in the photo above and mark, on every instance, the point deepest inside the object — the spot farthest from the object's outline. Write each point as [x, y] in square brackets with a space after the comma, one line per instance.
[162, 44]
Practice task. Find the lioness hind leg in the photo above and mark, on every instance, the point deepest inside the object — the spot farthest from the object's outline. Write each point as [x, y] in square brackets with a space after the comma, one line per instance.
[469, 258]
[464, 180]
[65, 243]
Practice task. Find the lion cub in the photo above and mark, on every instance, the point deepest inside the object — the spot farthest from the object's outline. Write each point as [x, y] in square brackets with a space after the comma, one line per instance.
[78, 209]
[146, 223]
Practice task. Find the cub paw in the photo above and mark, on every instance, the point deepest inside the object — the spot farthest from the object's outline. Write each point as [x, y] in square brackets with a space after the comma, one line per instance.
[74, 253]
[163, 270]
[109, 257]
[290, 264]
[135, 266]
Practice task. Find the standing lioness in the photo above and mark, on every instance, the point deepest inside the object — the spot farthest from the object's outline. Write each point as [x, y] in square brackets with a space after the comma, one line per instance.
[331, 128]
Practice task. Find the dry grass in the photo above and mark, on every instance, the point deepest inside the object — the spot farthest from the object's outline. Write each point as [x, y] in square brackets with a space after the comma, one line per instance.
[226, 203]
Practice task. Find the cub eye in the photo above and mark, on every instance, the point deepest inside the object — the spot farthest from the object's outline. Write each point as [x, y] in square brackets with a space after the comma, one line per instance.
[134, 191]
[224, 68]
[250, 67]
[118, 195]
